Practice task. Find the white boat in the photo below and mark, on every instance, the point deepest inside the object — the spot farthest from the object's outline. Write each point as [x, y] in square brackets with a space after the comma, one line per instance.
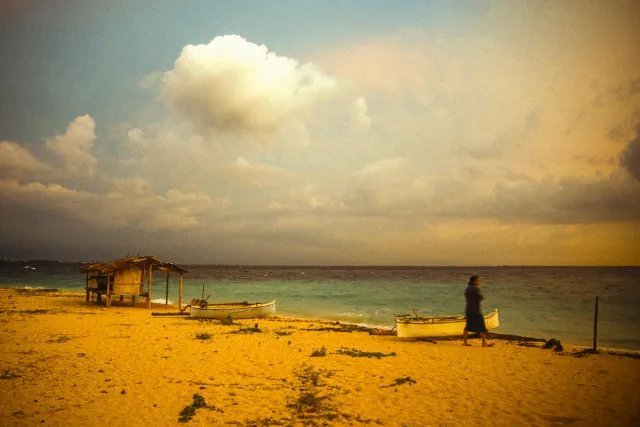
[446, 326]
[237, 310]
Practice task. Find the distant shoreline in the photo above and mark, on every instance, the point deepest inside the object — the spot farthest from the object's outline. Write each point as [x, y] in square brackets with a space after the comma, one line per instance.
[9, 260]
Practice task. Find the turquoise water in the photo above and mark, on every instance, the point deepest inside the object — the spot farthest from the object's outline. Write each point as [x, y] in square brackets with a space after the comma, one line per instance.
[537, 301]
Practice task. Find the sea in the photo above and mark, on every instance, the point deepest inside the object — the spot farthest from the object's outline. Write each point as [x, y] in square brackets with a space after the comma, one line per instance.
[545, 302]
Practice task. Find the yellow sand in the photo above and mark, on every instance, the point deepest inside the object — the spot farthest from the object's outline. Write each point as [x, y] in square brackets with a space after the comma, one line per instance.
[83, 365]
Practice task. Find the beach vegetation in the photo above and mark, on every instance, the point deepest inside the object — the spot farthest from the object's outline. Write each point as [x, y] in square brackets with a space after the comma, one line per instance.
[59, 339]
[283, 333]
[313, 406]
[400, 381]
[6, 375]
[353, 352]
[263, 422]
[228, 321]
[204, 336]
[250, 330]
[33, 311]
[319, 352]
[190, 411]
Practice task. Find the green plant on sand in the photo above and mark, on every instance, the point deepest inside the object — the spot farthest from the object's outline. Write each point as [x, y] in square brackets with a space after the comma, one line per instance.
[228, 321]
[253, 330]
[190, 411]
[319, 352]
[400, 381]
[353, 352]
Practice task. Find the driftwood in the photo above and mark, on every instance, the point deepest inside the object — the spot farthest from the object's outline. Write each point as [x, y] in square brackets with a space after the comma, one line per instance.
[180, 313]
[339, 328]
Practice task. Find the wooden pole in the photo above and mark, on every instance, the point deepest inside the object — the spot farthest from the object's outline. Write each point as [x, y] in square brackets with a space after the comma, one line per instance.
[87, 286]
[166, 292]
[202, 292]
[180, 294]
[108, 290]
[149, 287]
[595, 326]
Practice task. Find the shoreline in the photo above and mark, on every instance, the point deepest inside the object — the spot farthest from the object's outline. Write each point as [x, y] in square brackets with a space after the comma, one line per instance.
[157, 304]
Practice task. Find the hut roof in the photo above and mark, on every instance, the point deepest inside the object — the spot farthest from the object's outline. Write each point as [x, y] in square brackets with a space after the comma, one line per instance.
[118, 264]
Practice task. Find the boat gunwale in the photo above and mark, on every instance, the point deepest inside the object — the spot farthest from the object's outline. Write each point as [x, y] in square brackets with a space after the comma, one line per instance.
[445, 319]
[235, 306]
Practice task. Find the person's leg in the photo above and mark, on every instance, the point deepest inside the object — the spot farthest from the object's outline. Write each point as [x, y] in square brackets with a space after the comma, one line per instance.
[465, 336]
[484, 340]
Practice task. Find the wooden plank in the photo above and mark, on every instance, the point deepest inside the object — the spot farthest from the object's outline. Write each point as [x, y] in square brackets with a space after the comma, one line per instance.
[129, 289]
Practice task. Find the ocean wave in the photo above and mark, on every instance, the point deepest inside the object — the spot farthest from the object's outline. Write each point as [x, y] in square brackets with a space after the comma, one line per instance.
[160, 301]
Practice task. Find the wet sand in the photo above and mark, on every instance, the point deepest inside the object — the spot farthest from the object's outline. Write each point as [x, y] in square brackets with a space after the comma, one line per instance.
[66, 363]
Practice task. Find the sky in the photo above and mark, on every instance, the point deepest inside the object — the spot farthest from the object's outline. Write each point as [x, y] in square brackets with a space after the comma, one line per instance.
[357, 132]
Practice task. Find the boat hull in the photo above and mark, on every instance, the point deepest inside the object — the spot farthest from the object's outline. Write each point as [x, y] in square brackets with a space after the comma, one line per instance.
[235, 310]
[431, 327]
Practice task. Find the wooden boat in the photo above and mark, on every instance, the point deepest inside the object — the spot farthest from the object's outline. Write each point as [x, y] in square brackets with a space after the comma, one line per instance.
[237, 310]
[427, 327]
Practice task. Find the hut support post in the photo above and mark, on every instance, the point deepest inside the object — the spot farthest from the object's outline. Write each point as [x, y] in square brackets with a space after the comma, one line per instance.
[180, 293]
[166, 292]
[87, 286]
[108, 291]
[149, 287]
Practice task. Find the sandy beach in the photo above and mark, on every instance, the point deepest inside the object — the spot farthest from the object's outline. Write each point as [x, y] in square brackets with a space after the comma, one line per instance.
[68, 363]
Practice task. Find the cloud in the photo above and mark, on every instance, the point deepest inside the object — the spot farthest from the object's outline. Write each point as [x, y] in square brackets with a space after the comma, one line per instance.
[361, 120]
[381, 168]
[15, 160]
[128, 187]
[233, 85]
[630, 157]
[423, 142]
[258, 175]
[569, 200]
[179, 211]
[74, 147]
[112, 212]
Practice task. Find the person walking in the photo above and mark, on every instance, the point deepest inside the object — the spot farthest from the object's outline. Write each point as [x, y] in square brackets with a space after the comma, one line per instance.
[473, 312]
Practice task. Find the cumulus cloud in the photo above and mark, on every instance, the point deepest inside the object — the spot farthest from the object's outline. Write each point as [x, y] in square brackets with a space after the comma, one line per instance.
[16, 160]
[129, 187]
[175, 211]
[258, 175]
[233, 85]
[360, 113]
[179, 210]
[74, 147]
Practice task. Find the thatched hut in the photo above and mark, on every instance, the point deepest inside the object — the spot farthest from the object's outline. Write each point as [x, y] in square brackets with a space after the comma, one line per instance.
[128, 277]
